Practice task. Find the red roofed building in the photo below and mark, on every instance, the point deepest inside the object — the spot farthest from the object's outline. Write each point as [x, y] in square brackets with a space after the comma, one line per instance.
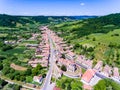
[88, 75]
[71, 66]
[98, 66]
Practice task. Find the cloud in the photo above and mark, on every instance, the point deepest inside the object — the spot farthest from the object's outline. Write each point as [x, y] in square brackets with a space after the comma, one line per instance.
[82, 4]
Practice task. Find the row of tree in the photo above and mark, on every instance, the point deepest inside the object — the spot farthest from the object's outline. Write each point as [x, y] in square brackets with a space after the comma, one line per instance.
[107, 84]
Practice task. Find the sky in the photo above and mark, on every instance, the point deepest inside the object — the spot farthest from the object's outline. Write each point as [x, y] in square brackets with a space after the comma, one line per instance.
[59, 7]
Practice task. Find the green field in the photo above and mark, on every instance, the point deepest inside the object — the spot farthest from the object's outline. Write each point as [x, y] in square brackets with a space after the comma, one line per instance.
[102, 51]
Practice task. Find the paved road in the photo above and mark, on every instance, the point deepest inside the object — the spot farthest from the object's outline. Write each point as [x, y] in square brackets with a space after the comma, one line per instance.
[46, 85]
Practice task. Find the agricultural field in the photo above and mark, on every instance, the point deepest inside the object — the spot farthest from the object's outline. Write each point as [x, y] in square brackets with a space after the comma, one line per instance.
[14, 53]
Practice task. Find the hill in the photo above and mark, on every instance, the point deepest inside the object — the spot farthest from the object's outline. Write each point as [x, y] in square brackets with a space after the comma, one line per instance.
[97, 38]
[13, 21]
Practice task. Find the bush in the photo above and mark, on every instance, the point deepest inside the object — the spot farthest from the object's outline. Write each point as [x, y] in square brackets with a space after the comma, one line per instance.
[90, 49]
[1, 66]
[107, 84]
[14, 86]
[2, 57]
[7, 47]
[2, 83]
[94, 39]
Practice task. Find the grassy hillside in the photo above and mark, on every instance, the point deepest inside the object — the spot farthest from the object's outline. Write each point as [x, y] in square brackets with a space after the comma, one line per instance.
[97, 38]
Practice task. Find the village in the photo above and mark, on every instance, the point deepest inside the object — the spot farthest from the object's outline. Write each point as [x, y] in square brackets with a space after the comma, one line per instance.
[74, 64]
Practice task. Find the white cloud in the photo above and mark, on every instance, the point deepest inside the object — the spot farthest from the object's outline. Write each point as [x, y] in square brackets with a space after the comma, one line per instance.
[82, 4]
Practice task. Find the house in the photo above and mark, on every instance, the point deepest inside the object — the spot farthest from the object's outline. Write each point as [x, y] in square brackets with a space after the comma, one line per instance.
[69, 64]
[81, 59]
[88, 75]
[98, 66]
[116, 72]
[72, 67]
[116, 75]
[88, 63]
[107, 71]
[38, 79]
[38, 50]
[70, 55]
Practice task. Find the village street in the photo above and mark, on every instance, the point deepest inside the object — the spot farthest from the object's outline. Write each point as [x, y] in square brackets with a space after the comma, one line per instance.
[57, 46]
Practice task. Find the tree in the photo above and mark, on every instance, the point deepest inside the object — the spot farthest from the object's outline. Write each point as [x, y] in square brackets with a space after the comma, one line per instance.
[6, 70]
[63, 55]
[22, 78]
[17, 77]
[63, 67]
[7, 47]
[90, 49]
[14, 86]
[107, 84]
[37, 70]
[94, 39]
[28, 72]
[1, 66]
[69, 84]
[76, 46]
[3, 83]
[2, 57]
[100, 86]
[11, 75]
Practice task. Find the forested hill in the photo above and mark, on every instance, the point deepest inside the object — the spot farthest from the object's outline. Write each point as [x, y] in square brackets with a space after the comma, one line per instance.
[101, 24]
[13, 21]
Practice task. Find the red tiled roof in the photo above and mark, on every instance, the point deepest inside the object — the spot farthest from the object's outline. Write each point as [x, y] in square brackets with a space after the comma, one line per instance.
[66, 62]
[87, 76]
